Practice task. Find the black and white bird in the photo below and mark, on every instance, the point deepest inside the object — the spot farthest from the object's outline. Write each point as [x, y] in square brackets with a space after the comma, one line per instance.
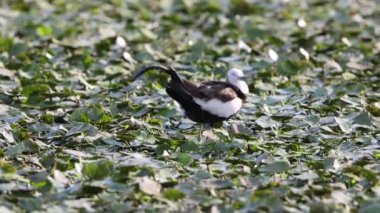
[207, 102]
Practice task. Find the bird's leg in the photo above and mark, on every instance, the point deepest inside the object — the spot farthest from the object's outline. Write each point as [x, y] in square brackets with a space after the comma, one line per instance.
[200, 132]
[214, 126]
[210, 128]
[235, 129]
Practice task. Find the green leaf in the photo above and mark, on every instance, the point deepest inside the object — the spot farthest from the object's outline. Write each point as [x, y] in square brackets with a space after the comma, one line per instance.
[30, 204]
[31, 146]
[44, 31]
[196, 52]
[370, 208]
[148, 34]
[255, 33]
[17, 49]
[168, 112]
[275, 40]
[5, 167]
[184, 159]
[363, 118]
[48, 118]
[355, 88]
[16, 149]
[82, 128]
[331, 163]
[5, 43]
[80, 115]
[90, 190]
[41, 182]
[275, 167]
[374, 109]
[287, 68]
[87, 61]
[189, 146]
[321, 92]
[97, 170]
[267, 122]
[35, 94]
[244, 7]
[173, 194]
[376, 154]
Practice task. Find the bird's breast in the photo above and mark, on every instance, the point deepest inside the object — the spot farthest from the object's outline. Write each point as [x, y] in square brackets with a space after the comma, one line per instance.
[220, 108]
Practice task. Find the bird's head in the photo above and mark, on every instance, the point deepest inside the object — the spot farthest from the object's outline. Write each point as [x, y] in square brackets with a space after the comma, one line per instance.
[236, 77]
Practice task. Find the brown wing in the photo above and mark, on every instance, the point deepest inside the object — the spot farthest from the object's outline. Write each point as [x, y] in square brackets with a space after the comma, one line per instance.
[232, 91]
[215, 89]
[226, 94]
[190, 88]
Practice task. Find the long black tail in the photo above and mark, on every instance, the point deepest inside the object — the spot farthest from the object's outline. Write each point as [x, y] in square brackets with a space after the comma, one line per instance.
[169, 70]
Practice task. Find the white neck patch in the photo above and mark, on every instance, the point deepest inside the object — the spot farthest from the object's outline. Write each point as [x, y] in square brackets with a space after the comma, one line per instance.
[242, 86]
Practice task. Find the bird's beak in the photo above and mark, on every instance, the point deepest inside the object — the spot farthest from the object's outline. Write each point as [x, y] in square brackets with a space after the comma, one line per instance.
[243, 78]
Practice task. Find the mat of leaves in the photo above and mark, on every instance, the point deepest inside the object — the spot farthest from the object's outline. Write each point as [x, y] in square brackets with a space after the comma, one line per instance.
[77, 134]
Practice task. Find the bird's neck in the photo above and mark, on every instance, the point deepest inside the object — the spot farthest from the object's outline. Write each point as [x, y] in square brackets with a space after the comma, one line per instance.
[242, 85]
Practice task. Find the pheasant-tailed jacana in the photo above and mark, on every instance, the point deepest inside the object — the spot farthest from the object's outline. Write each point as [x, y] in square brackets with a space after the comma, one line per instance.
[207, 102]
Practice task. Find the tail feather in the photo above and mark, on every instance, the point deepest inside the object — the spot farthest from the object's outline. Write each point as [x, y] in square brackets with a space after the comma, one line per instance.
[180, 95]
[169, 70]
[176, 89]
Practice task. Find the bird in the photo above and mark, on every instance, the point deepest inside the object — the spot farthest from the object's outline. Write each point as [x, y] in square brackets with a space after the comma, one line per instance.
[207, 102]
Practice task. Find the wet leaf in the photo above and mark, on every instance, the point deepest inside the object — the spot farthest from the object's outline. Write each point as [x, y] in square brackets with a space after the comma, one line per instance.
[149, 186]
[17, 49]
[344, 124]
[368, 207]
[184, 159]
[16, 149]
[363, 118]
[266, 122]
[275, 167]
